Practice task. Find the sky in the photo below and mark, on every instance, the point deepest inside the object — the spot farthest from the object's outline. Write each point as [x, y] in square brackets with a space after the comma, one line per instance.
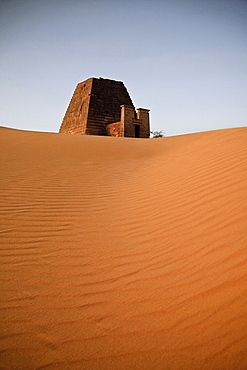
[185, 60]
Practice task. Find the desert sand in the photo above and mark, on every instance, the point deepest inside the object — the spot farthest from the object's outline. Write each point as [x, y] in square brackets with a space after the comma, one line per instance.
[122, 253]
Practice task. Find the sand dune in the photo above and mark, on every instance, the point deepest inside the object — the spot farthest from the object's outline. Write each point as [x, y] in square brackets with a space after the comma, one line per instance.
[122, 253]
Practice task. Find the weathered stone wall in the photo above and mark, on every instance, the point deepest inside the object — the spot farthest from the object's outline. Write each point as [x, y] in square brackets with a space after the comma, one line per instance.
[143, 116]
[127, 115]
[104, 106]
[114, 129]
[76, 116]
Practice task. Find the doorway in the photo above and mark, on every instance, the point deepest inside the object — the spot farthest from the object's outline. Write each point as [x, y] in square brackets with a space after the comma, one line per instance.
[137, 130]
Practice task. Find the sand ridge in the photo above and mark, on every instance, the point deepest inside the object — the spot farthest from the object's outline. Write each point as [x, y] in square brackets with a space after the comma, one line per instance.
[123, 253]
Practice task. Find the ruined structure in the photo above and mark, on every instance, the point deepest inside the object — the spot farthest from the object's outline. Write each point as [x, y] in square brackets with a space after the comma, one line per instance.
[103, 107]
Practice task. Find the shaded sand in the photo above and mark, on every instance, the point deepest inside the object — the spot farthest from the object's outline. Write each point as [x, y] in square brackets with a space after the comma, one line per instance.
[123, 253]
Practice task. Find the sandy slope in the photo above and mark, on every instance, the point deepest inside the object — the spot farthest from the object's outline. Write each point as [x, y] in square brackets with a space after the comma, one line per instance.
[123, 253]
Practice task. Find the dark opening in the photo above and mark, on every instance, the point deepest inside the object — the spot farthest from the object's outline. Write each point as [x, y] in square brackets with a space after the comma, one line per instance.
[137, 130]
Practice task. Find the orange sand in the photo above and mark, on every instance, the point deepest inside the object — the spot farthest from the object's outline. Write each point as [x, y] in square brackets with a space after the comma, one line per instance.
[123, 253]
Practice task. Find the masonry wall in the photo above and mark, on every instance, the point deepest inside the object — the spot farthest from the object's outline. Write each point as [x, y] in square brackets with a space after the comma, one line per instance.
[104, 106]
[143, 116]
[114, 129]
[127, 116]
[76, 116]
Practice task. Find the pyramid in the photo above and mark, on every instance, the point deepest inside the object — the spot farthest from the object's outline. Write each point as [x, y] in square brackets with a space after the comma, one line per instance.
[103, 107]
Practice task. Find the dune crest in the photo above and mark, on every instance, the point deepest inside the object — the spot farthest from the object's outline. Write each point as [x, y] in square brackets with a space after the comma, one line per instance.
[122, 253]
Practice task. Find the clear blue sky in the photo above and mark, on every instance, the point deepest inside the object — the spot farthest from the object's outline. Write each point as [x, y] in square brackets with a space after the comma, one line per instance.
[185, 60]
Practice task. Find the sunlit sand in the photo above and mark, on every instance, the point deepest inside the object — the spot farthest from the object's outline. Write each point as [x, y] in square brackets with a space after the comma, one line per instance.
[122, 253]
